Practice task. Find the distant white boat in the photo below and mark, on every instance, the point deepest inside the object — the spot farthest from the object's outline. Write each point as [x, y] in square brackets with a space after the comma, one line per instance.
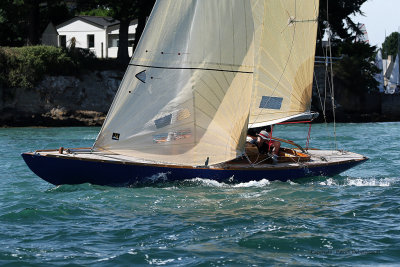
[394, 82]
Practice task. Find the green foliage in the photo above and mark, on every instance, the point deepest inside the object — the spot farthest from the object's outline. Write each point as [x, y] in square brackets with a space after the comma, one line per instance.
[336, 17]
[339, 12]
[390, 46]
[356, 70]
[12, 27]
[82, 58]
[24, 66]
[19, 24]
[99, 12]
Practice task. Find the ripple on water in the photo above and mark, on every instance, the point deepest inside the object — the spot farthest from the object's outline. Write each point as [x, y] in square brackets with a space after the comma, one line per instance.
[346, 220]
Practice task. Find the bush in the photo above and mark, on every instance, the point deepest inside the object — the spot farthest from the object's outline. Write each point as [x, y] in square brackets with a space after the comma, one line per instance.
[25, 66]
[82, 58]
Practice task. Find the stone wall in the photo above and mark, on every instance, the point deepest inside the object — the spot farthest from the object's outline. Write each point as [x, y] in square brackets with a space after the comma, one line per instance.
[85, 100]
[61, 101]
[391, 105]
[352, 107]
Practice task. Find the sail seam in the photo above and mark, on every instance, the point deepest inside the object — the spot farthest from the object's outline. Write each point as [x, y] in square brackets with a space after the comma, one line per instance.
[181, 68]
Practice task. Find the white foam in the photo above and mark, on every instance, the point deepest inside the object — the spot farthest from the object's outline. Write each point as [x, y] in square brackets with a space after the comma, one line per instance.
[251, 195]
[328, 182]
[213, 183]
[208, 182]
[384, 182]
[160, 262]
[159, 177]
[260, 183]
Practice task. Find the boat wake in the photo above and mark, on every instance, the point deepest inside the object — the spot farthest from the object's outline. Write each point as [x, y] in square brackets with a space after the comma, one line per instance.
[323, 181]
[352, 181]
[160, 180]
[212, 183]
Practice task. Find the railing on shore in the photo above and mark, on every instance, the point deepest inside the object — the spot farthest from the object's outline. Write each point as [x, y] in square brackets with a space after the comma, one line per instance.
[326, 60]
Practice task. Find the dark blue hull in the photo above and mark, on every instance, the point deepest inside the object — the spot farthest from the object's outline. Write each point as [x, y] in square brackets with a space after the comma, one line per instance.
[59, 170]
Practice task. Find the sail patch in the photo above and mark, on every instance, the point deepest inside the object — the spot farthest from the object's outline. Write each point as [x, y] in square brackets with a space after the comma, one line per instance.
[172, 118]
[164, 121]
[141, 76]
[269, 102]
[115, 136]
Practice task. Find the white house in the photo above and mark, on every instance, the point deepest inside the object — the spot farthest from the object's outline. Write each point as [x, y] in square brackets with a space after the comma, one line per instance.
[99, 34]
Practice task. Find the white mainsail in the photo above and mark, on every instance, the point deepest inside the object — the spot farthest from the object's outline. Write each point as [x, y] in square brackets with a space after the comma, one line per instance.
[285, 51]
[379, 76]
[394, 78]
[188, 93]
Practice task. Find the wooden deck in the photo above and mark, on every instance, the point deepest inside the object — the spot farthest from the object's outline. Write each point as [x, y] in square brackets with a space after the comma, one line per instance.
[312, 158]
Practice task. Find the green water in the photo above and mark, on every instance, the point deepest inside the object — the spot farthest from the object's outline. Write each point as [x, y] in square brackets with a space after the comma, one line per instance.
[348, 220]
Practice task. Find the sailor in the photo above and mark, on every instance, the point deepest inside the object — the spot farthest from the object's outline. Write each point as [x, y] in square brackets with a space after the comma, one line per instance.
[265, 145]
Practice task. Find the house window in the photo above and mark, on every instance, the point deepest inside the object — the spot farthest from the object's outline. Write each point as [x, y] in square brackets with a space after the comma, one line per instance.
[113, 40]
[63, 41]
[131, 39]
[90, 40]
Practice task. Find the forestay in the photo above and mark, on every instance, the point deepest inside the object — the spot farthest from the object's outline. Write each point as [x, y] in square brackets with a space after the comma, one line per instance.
[186, 95]
[285, 50]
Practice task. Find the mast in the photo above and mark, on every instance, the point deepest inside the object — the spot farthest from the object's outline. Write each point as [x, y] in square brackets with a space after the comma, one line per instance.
[398, 55]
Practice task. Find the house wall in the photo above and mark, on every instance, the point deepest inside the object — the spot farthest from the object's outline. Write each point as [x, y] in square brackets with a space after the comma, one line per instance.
[80, 30]
[114, 30]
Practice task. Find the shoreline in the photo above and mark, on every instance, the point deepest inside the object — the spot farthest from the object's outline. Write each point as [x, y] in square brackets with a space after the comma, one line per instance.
[68, 101]
[63, 124]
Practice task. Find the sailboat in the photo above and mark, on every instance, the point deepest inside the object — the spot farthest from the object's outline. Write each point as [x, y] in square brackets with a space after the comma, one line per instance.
[379, 77]
[204, 73]
[394, 80]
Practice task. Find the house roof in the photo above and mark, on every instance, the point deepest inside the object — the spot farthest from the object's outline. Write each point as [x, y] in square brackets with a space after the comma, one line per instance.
[101, 22]
[50, 29]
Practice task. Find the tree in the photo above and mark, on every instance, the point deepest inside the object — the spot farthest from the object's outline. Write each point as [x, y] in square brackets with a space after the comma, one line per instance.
[125, 11]
[356, 70]
[23, 21]
[98, 12]
[33, 21]
[342, 27]
[143, 11]
[391, 45]
[12, 26]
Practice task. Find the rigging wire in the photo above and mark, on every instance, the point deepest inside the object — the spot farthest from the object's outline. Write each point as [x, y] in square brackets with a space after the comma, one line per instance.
[332, 91]
[328, 80]
[319, 95]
